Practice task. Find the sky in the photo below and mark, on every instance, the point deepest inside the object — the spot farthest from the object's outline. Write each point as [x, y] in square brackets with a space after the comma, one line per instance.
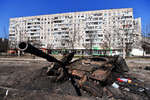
[18, 8]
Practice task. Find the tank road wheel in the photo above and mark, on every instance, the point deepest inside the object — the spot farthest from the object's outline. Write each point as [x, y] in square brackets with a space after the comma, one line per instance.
[92, 89]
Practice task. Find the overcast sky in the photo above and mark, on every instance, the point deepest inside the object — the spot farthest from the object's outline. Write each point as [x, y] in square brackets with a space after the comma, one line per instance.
[18, 8]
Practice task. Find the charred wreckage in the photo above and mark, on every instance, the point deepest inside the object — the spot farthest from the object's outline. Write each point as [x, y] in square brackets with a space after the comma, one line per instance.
[94, 75]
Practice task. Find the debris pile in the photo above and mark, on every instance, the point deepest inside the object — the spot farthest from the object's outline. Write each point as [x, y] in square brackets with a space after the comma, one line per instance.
[147, 68]
[104, 77]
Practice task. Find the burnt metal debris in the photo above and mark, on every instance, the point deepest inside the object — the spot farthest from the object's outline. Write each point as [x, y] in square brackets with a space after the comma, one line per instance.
[95, 75]
[147, 68]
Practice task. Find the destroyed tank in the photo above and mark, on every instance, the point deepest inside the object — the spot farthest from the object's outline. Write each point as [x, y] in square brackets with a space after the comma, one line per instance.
[87, 73]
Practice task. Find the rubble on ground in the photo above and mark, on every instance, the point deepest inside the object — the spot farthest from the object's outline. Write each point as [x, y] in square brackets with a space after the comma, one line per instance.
[90, 78]
[26, 82]
[147, 68]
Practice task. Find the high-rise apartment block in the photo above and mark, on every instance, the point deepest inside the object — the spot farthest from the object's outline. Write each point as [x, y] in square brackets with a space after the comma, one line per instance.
[101, 28]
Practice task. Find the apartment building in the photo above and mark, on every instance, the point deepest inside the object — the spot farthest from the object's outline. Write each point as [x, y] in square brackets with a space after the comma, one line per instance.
[77, 30]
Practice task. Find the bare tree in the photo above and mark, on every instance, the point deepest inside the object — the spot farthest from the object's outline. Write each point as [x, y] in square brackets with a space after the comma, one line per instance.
[50, 46]
[90, 34]
[107, 40]
[124, 38]
[145, 38]
[146, 33]
[72, 39]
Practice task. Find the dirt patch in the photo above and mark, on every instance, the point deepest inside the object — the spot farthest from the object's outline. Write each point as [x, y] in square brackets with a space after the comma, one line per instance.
[26, 80]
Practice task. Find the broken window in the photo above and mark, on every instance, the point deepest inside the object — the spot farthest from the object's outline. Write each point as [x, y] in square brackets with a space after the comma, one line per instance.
[87, 40]
[98, 14]
[124, 17]
[95, 18]
[32, 33]
[55, 29]
[101, 18]
[37, 22]
[11, 34]
[64, 28]
[100, 35]
[55, 17]
[38, 19]
[95, 23]
[58, 21]
[29, 23]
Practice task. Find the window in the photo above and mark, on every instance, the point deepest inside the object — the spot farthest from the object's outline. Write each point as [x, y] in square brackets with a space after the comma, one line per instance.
[100, 22]
[58, 21]
[87, 40]
[64, 28]
[105, 14]
[37, 22]
[98, 14]
[95, 23]
[95, 18]
[124, 17]
[38, 19]
[59, 32]
[101, 18]
[32, 33]
[55, 17]
[100, 35]
[11, 34]
[33, 30]
[55, 29]
[29, 23]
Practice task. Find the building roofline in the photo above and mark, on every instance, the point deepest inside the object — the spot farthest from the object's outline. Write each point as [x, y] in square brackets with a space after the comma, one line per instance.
[71, 13]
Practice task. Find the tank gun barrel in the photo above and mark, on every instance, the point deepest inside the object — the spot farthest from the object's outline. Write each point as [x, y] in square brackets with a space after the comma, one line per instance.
[28, 48]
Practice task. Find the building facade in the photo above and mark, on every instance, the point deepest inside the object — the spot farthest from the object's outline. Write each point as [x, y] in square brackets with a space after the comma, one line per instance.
[110, 28]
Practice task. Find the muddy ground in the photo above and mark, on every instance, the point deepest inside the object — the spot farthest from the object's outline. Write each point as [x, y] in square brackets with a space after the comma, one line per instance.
[26, 80]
